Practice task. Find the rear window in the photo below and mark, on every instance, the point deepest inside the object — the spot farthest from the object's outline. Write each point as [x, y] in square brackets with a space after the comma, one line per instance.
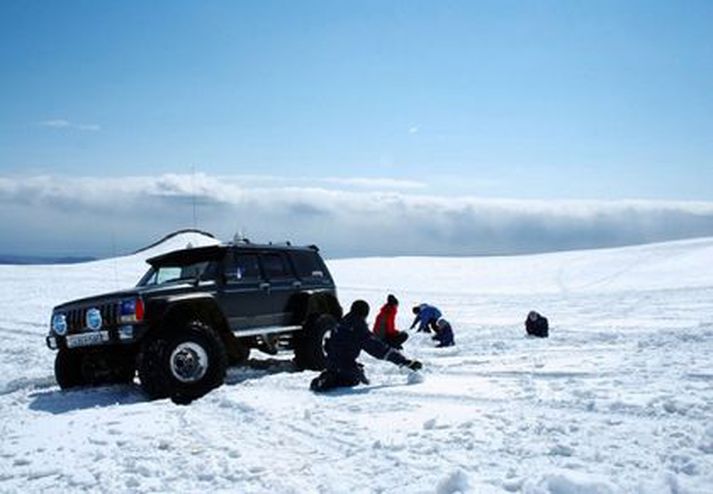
[275, 266]
[309, 265]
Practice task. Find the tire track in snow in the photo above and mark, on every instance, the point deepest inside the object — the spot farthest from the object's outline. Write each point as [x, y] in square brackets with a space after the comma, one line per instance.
[24, 384]
[21, 332]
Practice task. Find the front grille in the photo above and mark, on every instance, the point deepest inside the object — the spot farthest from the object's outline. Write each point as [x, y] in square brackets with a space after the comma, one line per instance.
[76, 318]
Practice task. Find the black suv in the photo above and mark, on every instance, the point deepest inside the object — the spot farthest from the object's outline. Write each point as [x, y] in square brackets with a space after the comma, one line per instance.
[195, 312]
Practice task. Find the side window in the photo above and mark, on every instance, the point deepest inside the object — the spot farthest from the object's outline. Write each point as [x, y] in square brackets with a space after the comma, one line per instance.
[244, 268]
[275, 266]
[308, 265]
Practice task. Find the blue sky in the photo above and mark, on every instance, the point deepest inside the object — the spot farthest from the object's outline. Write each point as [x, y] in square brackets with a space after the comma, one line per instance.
[596, 101]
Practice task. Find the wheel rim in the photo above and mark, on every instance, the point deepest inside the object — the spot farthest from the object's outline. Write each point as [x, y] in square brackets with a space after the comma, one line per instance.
[325, 337]
[189, 362]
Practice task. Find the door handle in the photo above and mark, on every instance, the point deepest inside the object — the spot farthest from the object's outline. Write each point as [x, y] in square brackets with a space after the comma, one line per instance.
[265, 286]
[296, 284]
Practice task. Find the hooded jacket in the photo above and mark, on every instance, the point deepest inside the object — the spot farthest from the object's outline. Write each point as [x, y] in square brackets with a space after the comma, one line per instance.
[426, 314]
[348, 339]
[385, 324]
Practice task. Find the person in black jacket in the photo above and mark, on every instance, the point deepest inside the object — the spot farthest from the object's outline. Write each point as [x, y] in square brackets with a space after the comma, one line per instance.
[343, 347]
[537, 325]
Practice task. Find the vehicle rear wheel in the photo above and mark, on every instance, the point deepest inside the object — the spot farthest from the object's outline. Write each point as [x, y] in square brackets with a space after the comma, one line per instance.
[310, 343]
[183, 365]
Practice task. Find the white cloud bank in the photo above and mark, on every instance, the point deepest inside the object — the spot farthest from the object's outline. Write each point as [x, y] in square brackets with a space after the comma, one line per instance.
[60, 123]
[379, 183]
[60, 215]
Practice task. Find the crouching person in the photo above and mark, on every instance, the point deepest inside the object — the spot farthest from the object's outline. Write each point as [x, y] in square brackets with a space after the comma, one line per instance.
[385, 324]
[444, 334]
[346, 342]
[426, 317]
[537, 325]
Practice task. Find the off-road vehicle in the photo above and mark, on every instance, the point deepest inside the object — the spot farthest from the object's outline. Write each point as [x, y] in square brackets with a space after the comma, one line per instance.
[195, 312]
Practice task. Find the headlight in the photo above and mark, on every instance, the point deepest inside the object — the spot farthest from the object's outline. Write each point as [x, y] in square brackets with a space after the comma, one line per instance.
[59, 324]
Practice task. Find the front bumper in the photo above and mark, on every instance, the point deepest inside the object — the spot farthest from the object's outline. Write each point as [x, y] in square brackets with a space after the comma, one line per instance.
[125, 334]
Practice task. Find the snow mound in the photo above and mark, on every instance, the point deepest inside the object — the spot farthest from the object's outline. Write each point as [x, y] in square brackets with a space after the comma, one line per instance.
[570, 482]
[706, 443]
[415, 378]
[455, 483]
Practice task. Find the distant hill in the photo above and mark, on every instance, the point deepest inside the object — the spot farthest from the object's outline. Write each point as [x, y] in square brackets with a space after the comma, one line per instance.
[26, 260]
[179, 239]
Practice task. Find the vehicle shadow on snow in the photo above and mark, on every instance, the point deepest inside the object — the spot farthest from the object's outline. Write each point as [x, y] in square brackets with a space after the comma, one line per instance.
[58, 401]
[358, 390]
[257, 368]
[366, 389]
[63, 401]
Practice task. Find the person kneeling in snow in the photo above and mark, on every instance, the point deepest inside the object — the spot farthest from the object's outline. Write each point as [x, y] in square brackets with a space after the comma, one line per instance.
[426, 317]
[444, 334]
[536, 325]
[385, 324]
[346, 342]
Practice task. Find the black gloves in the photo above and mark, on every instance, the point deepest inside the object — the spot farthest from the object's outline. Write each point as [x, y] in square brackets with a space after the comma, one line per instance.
[414, 365]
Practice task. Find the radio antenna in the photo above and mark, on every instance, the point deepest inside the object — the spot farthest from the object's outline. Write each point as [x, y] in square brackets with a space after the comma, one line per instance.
[113, 257]
[193, 196]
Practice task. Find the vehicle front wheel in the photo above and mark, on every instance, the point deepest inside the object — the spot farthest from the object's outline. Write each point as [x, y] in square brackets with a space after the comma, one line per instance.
[309, 344]
[74, 368]
[184, 364]
[68, 369]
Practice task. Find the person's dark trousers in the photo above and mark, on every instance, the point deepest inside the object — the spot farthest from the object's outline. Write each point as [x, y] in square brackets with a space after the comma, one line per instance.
[397, 340]
[539, 333]
[539, 328]
[443, 344]
[444, 338]
[431, 325]
[330, 380]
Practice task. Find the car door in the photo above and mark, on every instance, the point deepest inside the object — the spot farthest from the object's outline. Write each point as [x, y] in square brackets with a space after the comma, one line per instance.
[244, 293]
[282, 285]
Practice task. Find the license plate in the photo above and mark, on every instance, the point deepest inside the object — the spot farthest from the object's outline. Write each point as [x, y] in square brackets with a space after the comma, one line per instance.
[87, 339]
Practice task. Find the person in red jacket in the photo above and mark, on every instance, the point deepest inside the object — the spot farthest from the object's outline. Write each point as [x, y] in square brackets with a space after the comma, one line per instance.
[385, 324]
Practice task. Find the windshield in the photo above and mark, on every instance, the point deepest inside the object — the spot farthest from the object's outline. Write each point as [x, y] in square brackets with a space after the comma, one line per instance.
[171, 273]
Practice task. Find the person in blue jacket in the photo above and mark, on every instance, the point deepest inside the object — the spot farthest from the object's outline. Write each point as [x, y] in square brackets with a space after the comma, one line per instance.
[444, 334]
[344, 345]
[426, 317]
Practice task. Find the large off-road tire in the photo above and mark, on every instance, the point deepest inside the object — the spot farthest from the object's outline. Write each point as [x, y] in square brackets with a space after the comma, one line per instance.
[68, 369]
[183, 363]
[75, 368]
[309, 343]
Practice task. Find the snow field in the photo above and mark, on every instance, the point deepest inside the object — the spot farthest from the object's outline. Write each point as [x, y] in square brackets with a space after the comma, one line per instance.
[619, 399]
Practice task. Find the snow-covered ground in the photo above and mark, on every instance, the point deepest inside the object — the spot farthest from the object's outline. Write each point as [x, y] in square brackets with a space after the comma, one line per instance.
[619, 399]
